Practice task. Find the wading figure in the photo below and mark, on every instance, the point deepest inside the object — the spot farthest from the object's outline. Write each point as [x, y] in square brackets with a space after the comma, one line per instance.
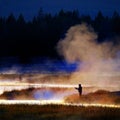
[79, 89]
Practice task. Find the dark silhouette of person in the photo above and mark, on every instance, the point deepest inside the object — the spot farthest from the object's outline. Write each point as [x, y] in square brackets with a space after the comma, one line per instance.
[79, 89]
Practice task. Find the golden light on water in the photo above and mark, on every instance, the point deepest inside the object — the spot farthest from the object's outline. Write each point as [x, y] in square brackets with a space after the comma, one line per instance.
[31, 102]
[37, 85]
[54, 102]
[7, 86]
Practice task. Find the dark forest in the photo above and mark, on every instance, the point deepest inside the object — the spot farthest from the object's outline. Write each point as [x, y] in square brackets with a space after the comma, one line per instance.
[39, 37]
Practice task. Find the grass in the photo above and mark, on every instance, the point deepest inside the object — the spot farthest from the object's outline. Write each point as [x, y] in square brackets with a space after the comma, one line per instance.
[57, 112]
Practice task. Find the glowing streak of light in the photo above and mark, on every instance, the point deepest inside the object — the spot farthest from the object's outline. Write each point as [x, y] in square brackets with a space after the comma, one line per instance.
[19, 86]
[92, 105]
[31, 102]
[38, 85]
[54, 102]
[9, 86]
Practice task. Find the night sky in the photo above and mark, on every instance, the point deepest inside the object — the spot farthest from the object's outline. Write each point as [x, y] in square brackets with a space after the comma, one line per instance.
[30, 8]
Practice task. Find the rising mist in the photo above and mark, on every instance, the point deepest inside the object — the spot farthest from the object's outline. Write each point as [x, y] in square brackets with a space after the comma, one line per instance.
[99, 63]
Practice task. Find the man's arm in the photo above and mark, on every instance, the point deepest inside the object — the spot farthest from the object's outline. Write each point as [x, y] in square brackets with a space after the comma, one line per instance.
[76, 88]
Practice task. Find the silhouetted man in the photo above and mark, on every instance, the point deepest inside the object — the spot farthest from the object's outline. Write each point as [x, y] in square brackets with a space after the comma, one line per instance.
[79, 89]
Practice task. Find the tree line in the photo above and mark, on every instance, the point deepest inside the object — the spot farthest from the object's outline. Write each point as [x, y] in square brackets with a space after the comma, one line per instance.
[39, 36]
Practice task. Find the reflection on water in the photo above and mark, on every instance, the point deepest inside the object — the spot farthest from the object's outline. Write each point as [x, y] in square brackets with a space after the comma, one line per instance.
[24, 91]
[48, 80]
[43, 94]
[27, 91]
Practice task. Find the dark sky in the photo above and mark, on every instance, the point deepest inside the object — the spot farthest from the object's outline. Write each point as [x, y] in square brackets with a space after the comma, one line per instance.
[29, 8]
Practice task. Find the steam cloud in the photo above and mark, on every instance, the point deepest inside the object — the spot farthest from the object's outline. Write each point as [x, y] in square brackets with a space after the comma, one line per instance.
[99, 63]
